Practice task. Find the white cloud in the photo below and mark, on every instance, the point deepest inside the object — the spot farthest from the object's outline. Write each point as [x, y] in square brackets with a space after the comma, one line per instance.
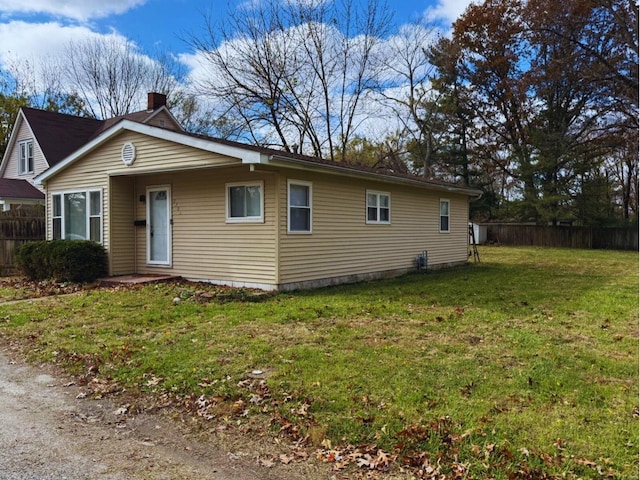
[36, 52]
[447, 11]
[81, 10]
[36, 41]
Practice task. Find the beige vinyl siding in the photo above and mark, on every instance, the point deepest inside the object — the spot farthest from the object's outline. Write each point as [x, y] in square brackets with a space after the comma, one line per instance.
[154, 154]
[94, 170]
[205, 246]
[12, 169]
[151, 155]
[122, 245]
[342, 244]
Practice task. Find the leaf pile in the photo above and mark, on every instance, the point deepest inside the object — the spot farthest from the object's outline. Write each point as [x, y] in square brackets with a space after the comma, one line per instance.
[23, 288]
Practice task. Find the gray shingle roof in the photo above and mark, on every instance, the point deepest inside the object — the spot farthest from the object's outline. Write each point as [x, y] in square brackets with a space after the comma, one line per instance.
[16, 188]
[58, 134]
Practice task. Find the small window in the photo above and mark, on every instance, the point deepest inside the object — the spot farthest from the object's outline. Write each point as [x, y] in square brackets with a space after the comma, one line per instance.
[95, 216]
[26, 157]
[378, 207]
[245, 202]
[57, 216]
[444, 216]
[299, 203]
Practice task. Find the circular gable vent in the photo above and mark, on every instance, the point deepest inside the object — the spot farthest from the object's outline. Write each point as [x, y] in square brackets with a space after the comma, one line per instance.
[128, 153]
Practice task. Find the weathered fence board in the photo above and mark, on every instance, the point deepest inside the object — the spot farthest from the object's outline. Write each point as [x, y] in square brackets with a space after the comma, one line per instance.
[18, 227]
[619, 238]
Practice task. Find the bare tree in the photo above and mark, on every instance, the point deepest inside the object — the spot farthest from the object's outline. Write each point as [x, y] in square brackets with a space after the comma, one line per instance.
[39, 84]
[406, 89]
[340, 47]
[294, 75]
[113, 77]
[108, 73]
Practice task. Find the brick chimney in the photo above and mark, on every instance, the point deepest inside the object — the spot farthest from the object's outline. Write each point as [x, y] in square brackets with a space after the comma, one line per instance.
[155, 101]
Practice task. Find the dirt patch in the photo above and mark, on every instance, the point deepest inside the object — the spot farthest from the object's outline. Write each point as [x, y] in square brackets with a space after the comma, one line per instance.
[51, 430]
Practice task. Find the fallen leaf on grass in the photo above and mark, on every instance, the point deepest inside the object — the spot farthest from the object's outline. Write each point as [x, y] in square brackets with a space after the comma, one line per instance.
[153, 381]
[266, 462]
[302, 454]
[122, 410]
[585, 462]
[367, 462]
[302, 411]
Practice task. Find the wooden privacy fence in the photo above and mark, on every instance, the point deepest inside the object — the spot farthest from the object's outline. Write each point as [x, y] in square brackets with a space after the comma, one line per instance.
[615, 238]
[18, 227]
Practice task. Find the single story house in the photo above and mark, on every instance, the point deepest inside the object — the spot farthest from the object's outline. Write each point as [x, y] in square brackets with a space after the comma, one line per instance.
[168, 202]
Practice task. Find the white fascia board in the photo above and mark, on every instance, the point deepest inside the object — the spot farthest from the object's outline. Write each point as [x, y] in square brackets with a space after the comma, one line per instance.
[247, 156]
[14, 138]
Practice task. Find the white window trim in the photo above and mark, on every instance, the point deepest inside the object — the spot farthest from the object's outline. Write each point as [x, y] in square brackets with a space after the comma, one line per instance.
[448, 216]
[23, 163]
[54, 216]
[62, 216]
[306, 184]
[378, 194]
[254, 219]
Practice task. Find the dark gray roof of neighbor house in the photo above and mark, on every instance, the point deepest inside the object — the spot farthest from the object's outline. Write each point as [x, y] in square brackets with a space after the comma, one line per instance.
[59, 134]
[16, 188]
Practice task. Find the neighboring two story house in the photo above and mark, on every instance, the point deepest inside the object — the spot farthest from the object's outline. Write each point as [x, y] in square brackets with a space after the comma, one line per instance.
[41, 139]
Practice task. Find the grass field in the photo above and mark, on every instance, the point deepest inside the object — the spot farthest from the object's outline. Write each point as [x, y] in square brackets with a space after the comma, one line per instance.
[522, 366]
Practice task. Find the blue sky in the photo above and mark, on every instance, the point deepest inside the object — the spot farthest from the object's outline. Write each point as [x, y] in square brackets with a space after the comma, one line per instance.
[34, 28]
[166, 22]
[34, 35]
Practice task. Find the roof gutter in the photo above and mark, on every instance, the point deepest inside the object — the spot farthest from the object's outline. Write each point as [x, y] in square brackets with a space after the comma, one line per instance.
[278, 160]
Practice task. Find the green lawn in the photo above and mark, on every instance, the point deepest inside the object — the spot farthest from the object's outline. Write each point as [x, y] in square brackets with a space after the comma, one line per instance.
[522, 366]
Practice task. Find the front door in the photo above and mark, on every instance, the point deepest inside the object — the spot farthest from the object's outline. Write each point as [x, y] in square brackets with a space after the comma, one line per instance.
[159, 225]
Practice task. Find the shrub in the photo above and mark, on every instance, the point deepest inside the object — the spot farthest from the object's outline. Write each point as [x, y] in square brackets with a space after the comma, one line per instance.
[30, 260]
[62, 260]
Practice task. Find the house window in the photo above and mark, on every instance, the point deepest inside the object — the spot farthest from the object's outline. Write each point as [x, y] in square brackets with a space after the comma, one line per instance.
[77, 215]
[444, 216]
[26, 157]
[57, 217]
[245, 202]
[299, 205]
[378, 207]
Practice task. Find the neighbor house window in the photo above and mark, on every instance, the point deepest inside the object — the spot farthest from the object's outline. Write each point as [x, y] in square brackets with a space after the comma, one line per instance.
[245, 202]
[299, 206]
[26, 157]
[77, 215]
[444, 216]
[378, 207]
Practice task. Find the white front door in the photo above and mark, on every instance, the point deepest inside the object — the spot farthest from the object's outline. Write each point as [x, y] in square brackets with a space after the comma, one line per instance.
[159, 225]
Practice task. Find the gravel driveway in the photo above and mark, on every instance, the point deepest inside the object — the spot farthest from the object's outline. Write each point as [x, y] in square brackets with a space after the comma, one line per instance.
[47, 433]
